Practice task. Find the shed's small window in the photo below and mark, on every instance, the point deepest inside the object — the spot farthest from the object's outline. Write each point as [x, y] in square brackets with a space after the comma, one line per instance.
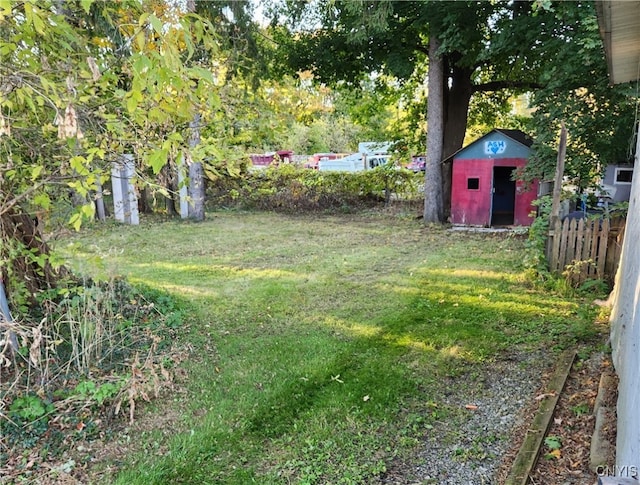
[624, 175]
[473, 183]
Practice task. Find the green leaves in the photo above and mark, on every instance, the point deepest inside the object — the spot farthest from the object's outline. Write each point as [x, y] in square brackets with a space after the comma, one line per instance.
[79, 165]
[554, 445]
[86, 5]
[201, 73]
[98, 393]
[157, 159]
[82, 213]
[552, 442]
[156, 24]
[33, 16]
[29, 407]
[42, 200]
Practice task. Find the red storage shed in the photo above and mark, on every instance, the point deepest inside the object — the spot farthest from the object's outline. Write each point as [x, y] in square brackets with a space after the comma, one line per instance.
[483, 192]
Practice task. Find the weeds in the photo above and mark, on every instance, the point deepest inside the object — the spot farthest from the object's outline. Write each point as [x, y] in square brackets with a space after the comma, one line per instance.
[289, 189]
[93, 355]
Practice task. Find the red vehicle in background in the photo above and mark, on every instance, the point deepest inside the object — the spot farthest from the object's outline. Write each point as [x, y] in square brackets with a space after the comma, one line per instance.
[266, 159]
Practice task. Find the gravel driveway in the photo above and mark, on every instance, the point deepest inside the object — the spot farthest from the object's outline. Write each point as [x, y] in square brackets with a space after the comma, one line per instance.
[487, 412]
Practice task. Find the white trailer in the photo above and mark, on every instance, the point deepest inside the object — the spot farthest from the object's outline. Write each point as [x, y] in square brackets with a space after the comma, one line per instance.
[371, 154]
[350, 163]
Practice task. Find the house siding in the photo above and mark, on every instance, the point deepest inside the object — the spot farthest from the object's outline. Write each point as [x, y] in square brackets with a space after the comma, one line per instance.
[625, 335]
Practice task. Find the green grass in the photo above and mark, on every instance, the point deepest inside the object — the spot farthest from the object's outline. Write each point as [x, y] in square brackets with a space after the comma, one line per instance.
[322, 345]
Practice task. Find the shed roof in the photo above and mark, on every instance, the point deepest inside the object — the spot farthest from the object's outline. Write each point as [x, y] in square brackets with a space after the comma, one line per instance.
[516, 135]
[619, 22]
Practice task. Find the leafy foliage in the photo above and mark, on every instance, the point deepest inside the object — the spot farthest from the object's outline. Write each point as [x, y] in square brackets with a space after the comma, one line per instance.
[84, 83]
[290, 189]
[575, 89]
[491, 51]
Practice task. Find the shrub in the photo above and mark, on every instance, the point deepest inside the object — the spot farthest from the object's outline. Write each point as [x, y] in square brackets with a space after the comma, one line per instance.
[287, 188]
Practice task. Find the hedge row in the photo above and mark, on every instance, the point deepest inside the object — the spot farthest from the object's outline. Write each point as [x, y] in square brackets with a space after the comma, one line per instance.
[287, 188]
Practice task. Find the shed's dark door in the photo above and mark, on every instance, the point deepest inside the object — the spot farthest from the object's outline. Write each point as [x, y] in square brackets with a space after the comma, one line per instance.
[504, 196]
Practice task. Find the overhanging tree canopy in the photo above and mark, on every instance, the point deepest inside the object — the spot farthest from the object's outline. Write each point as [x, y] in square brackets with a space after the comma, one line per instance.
[485, 47]
[82, 83]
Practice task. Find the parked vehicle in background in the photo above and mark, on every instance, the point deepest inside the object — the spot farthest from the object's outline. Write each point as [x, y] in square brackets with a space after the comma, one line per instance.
[269, 158]
[417, 164]
[314, 159]
[345, 164]
[370, 155]
[374, 153]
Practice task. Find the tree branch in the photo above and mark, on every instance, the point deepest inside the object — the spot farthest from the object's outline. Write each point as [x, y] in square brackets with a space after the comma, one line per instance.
[498, 85]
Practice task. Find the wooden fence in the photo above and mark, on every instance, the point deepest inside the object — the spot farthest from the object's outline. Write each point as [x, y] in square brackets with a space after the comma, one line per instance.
[585, 249]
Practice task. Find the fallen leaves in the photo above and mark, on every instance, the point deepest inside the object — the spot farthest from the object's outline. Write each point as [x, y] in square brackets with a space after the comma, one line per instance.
[553, 454]
[540, 397]
[567, 459]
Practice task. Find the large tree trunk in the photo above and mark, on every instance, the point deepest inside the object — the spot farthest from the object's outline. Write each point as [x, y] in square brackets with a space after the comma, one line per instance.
[433, 207]
[143, 201]
[101, 211]
[456, 112]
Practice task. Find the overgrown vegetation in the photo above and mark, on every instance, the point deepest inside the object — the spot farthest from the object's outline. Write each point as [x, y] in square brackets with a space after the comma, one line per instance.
[287, 188]
[536, 250]
[98, 349]
[536, 259]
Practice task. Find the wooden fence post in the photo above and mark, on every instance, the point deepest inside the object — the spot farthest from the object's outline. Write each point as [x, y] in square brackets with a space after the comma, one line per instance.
[554, 216]
[557, 181]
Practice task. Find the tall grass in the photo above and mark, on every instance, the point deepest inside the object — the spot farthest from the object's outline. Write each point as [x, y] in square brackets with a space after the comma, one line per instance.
[92, 353]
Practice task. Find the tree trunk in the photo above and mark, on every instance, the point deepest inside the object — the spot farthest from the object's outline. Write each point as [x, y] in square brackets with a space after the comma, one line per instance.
[456, 113]
[196, 177]
[143, 201]
[433, 208]
[168, 181]
[196, 190]
[101, 212]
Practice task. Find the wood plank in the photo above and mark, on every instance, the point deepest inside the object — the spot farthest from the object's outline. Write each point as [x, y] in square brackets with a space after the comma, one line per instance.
[610, 264]
[602, 249]
[586, 248]
[579, 245]
[527, 457]
[593, 253]
[571, 242]
[579, 239]
[555, 250]
[618, 251]
[562, 255]
[557, 180]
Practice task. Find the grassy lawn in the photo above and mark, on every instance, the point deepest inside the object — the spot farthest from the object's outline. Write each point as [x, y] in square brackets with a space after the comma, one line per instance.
[321, 345]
